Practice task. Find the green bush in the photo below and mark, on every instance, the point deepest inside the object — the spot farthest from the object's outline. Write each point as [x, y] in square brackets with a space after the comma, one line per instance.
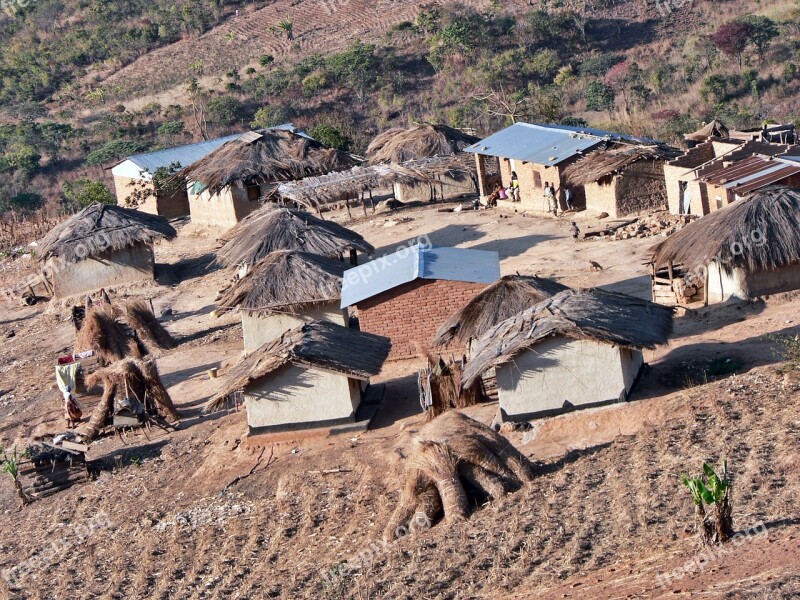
[599, 65]
[171, 128]
[224, 110]
[598, 96]
[330, 136]
[83, 192]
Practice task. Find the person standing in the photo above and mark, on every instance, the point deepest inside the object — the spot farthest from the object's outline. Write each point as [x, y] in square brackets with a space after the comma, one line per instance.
[514, 187]
[549, 197]
[568, 198]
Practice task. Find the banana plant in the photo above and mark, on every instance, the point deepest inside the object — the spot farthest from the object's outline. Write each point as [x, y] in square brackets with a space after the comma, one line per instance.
[9, 464]
[711, 490]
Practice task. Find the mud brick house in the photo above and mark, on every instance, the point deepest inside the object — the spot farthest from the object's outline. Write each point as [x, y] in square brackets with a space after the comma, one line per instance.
[622, 181]
[577, 349]
[235, 179]
[686, 175]
[313, 378]
[100, 247]
[135, 174]
[539, 154]
[406, 296]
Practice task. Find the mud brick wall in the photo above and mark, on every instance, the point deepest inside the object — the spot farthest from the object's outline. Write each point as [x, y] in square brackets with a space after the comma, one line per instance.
[411, 314]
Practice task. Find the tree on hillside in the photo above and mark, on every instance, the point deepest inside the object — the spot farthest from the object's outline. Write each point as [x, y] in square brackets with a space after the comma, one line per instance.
[199, 99]
[732, 39]
[762, 31]
[224, 110]
[599, 96]
[83, 192]
[513, 106]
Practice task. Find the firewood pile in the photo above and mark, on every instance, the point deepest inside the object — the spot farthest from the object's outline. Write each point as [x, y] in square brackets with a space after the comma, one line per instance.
[658, 224]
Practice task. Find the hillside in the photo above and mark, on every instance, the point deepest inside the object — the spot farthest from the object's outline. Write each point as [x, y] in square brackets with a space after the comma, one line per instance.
[85, 85]
[198, 514]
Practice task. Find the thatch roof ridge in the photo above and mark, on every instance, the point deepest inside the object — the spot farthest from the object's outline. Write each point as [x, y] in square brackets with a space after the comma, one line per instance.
[286, 280]
[760, 232]
[499, 301]
[595, 314]
[425, 140]
[100, 228]
[266, 156]
[318, 344]
[274, 228]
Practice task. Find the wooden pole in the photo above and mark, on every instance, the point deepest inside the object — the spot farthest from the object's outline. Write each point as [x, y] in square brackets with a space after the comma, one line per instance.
[705, 289]
[363, 203]
[371, 201]
[347, 204]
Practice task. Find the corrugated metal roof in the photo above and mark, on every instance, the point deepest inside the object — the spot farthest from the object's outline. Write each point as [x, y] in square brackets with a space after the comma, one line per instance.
[753, 173]
[418, 262]
[191, 153]
[546, 144]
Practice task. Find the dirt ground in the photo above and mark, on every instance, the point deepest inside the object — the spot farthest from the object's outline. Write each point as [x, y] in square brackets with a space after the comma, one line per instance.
[166, 516]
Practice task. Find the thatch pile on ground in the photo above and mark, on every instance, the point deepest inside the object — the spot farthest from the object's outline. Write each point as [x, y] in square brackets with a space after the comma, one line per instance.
[441, 390]
[454, 464]
[758, 233]
[398, 145]
[141, 319]
[503, 299]
[319, 344]
[131, 385]
[102, 228]
[275, 228]
[285, 280]
[102, 333]
[265, 156]
[593, 314]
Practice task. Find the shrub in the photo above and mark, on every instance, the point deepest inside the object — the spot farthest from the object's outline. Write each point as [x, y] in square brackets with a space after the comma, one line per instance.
[330, 136]
[171, 128]
[710, 489]
[27, 201]
[598, 96]
[83, 192]
[598, 65]
[224, 110]
[266, 59]
[271, 115]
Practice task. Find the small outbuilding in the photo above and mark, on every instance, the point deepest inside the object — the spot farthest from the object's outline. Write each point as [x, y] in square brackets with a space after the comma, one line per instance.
[313, 377]
[748, 249]
[578, 349]
[622, 181]
[500, 301]
[285, 289]
[101, 247]
[236, 179]
[407, 295]
[401, 146]
[274, 228]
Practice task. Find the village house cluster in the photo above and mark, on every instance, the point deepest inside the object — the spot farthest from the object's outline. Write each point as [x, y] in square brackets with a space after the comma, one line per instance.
[323, 311]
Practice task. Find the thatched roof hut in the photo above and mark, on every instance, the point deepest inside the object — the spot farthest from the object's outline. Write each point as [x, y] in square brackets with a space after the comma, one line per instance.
[603, 163]
[398, 145]
[265, 156]
[285, 280]
[100, 229]
[503, 299]
[318, 344]
[593, 314]
[758, 233]
[274, 228]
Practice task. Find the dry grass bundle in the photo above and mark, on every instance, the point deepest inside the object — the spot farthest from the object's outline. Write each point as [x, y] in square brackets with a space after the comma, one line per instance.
[398, 145]
[275, 228]
[141, 319]
[759, 233]
[286, 280]
[503, 299]
[454, 464]
[104, 334]
[266, 156]
[102, 228]
[594, 314]
[130, 379]
[444, 382]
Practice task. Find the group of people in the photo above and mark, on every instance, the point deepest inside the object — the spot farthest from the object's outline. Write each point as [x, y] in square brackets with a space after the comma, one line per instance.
[556, 198]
